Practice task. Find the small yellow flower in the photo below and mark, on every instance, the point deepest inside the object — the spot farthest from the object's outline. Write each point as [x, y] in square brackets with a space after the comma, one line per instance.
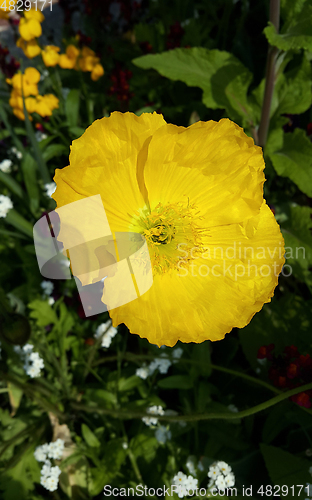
[45, 104]
[97, 72]
[50, 55]
[68, 60]
[88, 59]
[31, 49]
[28, 81]
[35, 14]
[196, 196]
[29, 29]
[20, 114]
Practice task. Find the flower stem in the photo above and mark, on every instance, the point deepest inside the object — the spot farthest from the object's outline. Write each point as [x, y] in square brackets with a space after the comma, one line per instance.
[269, 78]
[196, 417]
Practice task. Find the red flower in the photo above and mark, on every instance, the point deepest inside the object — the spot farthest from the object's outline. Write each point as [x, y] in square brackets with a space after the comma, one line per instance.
[264, 352]
[302, 399]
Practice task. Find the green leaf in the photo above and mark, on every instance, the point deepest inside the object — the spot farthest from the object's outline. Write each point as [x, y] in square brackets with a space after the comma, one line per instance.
[113, 458]
[54, 150]
[89, 437]
[18, 481]
[77, 131]
[201, 356]
[42, 167]
[11, 184]
[286, 469]
[29, 169]
[72, 107]
[42, 312]
[297, 34]
[16, 220]
[126, 384]
[143, 445]
[294, 93]
[222, 77]
[176, 382]
[6, 122]
[294, 160]
[298, 242]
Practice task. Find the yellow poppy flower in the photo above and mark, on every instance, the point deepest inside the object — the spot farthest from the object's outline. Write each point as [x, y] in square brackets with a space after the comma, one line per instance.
[50, 55]
[68, 60]
[196, 195]
[31, 49]
[97, 72]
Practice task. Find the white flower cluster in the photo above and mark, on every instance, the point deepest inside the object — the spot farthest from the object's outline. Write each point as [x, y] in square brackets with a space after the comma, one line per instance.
[5, 166]
[49, 475]
[50, 188]
[161, 364]
[5, 205]
[17, 153]
[33, 364]
[221, 476]
[185, 484]
[106, 332]
[153, 410]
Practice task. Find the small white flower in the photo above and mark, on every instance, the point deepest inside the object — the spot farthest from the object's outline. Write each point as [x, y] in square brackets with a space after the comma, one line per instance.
[191, 466]
[40, 136]
[51, 483]
[107, 332]
[224, 467]
[233, 408]
[262, 361]
[51, 301]
[220, 483]
[40, 453]
[213, 472]
[17, 153]
[27, 348]
[180, 478]
[5, 205]
[200, 466]
[50, 188]
[229, 480]
[47, 287]
[125, 445]
[142, 372]
[177, 353]
[46, 468]
[161, 364]
[153, 410]
[56, 449]
[5, 166]
[162, 434]
[44, 74]
[191, 483]
[55, 471]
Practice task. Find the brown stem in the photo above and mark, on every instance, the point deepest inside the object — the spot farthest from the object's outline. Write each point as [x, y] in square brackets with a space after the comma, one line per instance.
[269, 78]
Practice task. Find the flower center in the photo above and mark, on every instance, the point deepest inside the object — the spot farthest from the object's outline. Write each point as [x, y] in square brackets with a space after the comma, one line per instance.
[173, 235]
